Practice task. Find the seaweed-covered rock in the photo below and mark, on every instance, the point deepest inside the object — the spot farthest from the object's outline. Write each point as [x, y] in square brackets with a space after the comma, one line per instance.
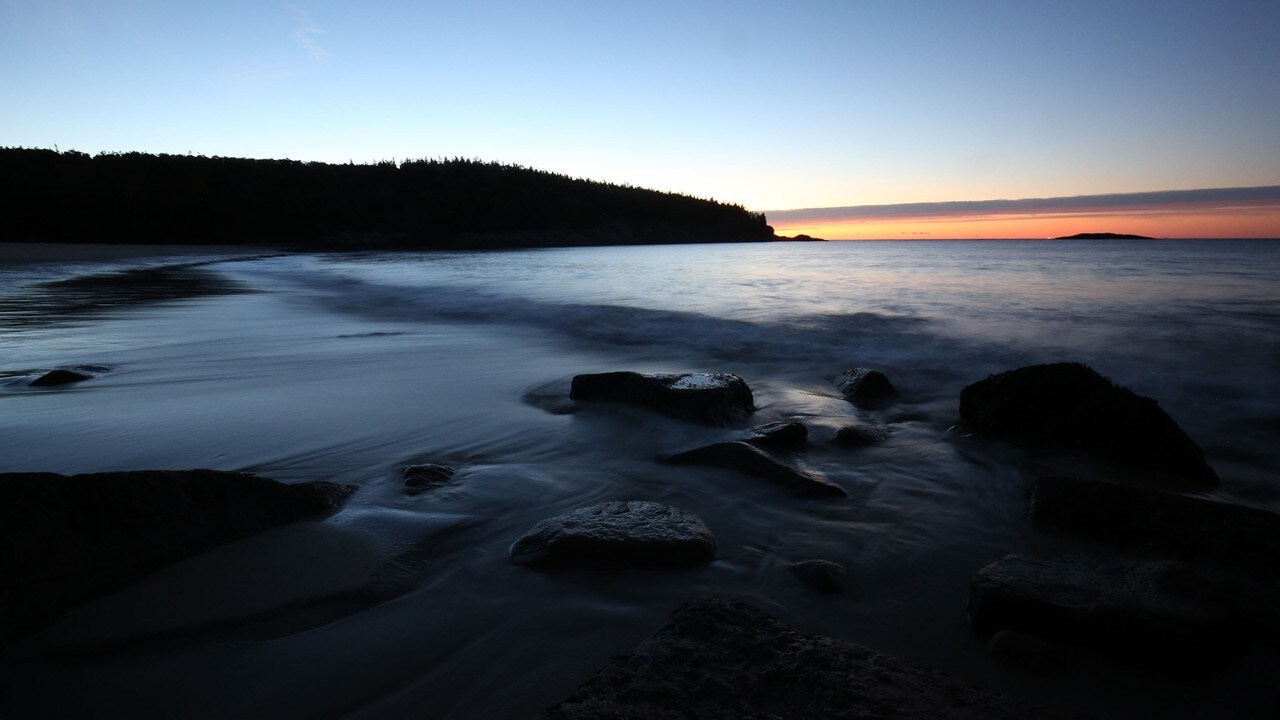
[1153, 614]
[65, 540]
[1070, 405]
[707, 398]
[866, 388]
[821, 575]
[784, 435]
[633, 532]
[421, 478]
[1188, 527]
[750, 460]
[724, 660]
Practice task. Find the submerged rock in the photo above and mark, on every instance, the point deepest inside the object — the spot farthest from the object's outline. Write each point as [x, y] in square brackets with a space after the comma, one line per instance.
[65, 540]
[1028, 651]
[633, 532]
[724, 660]
[860, 435]
[867, 388]
[1152, 614]
[421, 478]
[708, 398]
[1188, 527]
[821, 575]
[750, 460]
[1071, 405]
[59, 377]
[784, 434]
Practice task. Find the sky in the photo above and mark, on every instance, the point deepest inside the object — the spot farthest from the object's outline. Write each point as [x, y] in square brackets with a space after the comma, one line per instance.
[792, 108]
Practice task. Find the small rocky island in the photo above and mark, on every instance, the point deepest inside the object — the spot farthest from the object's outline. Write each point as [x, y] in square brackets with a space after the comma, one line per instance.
[1103, 236]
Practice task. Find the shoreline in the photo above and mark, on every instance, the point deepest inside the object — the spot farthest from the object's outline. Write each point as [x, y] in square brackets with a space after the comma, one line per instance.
[17, 253]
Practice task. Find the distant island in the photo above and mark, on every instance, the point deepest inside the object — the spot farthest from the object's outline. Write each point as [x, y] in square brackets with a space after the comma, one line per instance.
[1103, 236]
[136, 197]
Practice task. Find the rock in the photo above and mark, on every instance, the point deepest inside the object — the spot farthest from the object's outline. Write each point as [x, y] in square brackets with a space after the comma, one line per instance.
[1071, 405]
[1027, 651]
[420, 478]
[707, 398]
[860, 435]
[59, 377]
[1146, 613]
[785, 434]
[724, 660]
[1190, 528]
[821, 575]
[65, 540]
[750, 460]
[867, 388]
[617, 533]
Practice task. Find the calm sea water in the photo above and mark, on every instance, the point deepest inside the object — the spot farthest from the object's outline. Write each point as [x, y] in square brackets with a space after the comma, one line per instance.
[348, 367]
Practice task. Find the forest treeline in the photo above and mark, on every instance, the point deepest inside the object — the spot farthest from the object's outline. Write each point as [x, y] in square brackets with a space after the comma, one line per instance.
[52, 196]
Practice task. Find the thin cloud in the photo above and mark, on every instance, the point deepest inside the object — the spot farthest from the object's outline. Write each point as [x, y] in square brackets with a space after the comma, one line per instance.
[1162, 202]
[306, 32]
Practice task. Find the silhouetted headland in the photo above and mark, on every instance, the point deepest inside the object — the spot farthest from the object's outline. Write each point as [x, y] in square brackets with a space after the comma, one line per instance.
[1103, 236]
[416, 204]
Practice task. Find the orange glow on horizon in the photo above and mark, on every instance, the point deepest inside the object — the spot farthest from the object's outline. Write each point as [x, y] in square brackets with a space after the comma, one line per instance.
[1247, 224]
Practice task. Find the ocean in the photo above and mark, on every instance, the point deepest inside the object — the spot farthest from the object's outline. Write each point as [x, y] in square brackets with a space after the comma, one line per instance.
[347, 367]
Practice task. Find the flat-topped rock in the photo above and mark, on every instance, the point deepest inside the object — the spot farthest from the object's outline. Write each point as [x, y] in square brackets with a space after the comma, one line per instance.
[750, 460]
[1070, 405]
[1153, 614]
[1190, 528]
[707, 398]
[618, 533]
[724, 660]
[65, 540]
[783, 435]
[421, 478]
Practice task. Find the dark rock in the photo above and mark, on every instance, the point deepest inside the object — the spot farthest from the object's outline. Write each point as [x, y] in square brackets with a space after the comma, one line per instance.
[750, 460]
[821, 575]
[65, 540]
[1071, 405]
[420, 478]
[724, 660]
[708, 398]
[59, 377]
[785, 434]
[1147, 613]
[860, 435]
[1027, 651]
[867, 388]
[617, 533]
[1190, 528]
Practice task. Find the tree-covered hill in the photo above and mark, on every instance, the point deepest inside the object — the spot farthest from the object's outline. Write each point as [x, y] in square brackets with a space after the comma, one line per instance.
[139, 198]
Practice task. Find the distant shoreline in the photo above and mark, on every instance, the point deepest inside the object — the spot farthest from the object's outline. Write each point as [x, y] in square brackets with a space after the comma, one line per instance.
[16, 253]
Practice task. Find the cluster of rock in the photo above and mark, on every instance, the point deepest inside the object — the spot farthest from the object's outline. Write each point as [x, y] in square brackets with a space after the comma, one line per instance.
[1188, 613]
[65, 540]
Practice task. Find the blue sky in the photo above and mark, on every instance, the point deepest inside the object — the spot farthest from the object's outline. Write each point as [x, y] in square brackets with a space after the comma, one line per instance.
[768, 104]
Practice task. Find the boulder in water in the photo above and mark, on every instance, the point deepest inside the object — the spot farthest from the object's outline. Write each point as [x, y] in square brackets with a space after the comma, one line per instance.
[783, 435]
[618, 533]
[65, 540]
[750, 460]
[821, 575]
[59, 377]
[866, 388]
[1072, 406]
[707, 398]
[725, 660]
[421, 478]
[1152, 614]
[860, 435]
